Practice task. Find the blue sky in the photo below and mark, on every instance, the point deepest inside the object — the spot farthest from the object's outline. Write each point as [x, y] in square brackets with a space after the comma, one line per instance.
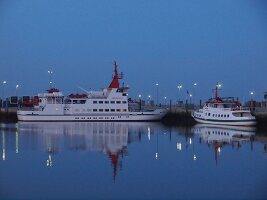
[167, 42]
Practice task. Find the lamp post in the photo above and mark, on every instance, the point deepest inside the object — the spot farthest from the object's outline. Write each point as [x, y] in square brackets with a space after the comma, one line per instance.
[140, 102]
[149, 97]
[16, 92]
[251, 102]
[3, 92]
[251, 94]
[165, 101]
[190, 97]
[194, 91]
[50, 72]
[179, 88]
[157, 85]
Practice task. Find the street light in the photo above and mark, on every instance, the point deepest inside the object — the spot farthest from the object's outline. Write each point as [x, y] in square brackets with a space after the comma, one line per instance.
[179, 88]
[3, 92]
[194, 91]
[157, 85]
[140, 102]
[17, 86]
[190, 96]
[165, 98]
[251, 93]
[50, 72]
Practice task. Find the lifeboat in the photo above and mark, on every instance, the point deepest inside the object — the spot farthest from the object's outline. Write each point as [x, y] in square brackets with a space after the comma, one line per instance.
[52, 90]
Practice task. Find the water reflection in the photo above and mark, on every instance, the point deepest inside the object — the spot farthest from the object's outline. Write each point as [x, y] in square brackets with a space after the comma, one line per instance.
[219, 136]
[110, 138]
[114, 156]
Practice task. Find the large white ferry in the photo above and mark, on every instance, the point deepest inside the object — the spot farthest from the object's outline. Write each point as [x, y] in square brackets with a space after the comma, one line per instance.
[227, 111]
[110, 104]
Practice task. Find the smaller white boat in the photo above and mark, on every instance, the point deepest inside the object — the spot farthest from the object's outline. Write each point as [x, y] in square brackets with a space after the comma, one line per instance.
[224, 111]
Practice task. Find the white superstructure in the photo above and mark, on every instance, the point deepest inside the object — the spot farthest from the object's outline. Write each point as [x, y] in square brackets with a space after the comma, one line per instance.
[110, 104]
[224, 111]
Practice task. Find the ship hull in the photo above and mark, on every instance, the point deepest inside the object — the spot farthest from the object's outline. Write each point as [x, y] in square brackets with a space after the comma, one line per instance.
[138, 116]
[249, 122]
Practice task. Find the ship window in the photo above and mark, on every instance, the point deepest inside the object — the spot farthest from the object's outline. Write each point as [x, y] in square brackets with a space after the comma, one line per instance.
[209, 114]
[118, 110]
[227, 115]
[74, 101]
[40, 100]
[124, 110]
[112, 102]
[94, 110]
[118, 102]
[212, 115]
[100, 102]
[68, 101]
[94, 102]
[82, 101]
[224, 115]
[100, 110]
[124, 102]
[106, 102]
[106, 110]
[112, 110]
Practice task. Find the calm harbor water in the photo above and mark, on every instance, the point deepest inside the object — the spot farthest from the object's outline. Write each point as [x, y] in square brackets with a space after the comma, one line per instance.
[115, 160]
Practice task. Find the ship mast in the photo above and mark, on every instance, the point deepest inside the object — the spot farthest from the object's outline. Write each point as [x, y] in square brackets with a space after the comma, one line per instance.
[115, 78]
[216, 91]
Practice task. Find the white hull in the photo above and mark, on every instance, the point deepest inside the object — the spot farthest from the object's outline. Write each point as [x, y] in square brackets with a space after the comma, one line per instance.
[229, 122]
[135, 116]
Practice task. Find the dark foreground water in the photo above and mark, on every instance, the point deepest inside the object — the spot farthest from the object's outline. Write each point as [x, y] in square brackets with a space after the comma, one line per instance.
[131, 161]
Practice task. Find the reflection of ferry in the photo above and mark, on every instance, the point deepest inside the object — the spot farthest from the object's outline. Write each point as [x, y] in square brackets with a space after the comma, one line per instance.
[110, 104]
[225, 134]
[224, 111]
[219, 135]
[111, 138]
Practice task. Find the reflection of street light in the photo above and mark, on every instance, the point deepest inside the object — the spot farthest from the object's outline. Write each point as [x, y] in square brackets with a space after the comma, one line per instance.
[165, 98]
[190, 96]
[3, 146]
[179, 146]
[157, 153]
[157, 85]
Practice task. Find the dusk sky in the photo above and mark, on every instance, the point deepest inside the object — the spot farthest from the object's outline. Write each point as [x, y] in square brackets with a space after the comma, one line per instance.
[169, 42]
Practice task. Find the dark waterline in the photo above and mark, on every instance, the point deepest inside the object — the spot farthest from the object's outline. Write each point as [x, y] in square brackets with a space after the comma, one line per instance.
[114, 160]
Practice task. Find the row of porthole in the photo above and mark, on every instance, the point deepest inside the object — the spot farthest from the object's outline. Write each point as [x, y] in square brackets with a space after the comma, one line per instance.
[218, 133]
[217, 115]
[119, 117]
[101, 110]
